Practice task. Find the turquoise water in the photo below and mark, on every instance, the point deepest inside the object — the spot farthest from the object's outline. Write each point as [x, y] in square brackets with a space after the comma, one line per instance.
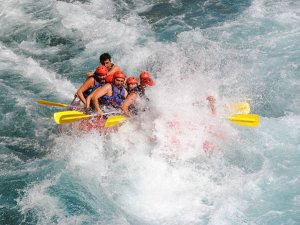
[153, 170]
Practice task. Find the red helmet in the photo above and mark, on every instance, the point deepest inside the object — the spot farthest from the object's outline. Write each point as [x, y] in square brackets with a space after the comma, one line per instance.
[101, 70]
[109, 78]
[132, 80]
[146, 79]
[145, 75]
[119, 74]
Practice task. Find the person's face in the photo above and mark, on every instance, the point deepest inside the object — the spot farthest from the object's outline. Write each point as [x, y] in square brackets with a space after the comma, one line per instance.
[131, 86]
[101, 76]
[119, 82]
[107, 63]
[147, 82]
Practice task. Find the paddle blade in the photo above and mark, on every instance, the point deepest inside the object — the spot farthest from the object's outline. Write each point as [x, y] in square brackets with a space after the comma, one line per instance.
[241, 107]
[69, 116]
[238, 108]
[69, 113]
[72, 116]
[43, 102]
[70, 119]
[114, 120]
[250, 120]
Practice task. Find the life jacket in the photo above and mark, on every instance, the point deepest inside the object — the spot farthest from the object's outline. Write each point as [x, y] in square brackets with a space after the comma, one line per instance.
[97, 83]
[118, 96]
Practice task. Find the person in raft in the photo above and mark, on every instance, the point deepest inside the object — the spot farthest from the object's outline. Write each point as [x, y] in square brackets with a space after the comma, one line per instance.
[92, 83]
[105, 60]
[111, 95]
[131, 84]
[212, 104]
[127, 105]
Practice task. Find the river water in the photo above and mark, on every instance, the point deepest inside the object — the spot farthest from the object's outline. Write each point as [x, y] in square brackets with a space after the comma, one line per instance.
[153, 170]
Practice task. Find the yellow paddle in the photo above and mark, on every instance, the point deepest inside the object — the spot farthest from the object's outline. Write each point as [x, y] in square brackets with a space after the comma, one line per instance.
[241, 107]
[238, 107]
[44, 102]
[67, 116]
[250, 120]
[72, 116]
[114, 120]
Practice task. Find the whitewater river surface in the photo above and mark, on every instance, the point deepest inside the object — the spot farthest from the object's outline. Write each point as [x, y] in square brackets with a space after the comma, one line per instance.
[154, 169]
